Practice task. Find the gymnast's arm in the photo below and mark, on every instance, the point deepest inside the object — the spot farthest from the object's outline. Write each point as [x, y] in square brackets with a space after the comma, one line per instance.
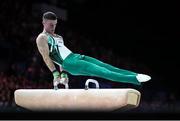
[43, 48]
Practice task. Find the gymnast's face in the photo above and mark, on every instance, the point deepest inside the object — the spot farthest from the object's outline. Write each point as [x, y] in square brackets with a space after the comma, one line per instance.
[50, 25]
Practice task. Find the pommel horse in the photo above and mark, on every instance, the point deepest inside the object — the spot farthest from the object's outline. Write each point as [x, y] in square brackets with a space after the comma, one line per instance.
[88, 99]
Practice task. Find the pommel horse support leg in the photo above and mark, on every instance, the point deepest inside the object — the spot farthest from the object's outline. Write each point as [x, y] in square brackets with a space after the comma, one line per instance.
[104, 100]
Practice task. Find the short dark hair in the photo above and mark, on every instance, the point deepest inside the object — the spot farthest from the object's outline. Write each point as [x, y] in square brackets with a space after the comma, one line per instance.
[49, 15]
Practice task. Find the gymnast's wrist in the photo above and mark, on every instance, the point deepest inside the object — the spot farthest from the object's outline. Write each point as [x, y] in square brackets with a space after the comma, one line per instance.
[56, 74]
[64, 74]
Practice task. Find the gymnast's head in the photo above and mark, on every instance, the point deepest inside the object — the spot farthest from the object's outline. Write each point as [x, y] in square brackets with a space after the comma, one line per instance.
[49, 21]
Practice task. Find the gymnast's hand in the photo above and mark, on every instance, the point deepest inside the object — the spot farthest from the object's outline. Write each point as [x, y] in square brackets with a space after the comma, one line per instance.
[60, 79]
[64, 78]
[57, 78]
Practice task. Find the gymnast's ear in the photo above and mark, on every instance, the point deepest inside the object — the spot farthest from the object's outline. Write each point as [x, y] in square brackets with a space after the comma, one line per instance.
[43, 21]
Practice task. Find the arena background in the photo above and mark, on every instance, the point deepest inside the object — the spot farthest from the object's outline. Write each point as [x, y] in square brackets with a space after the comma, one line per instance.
[140, 36]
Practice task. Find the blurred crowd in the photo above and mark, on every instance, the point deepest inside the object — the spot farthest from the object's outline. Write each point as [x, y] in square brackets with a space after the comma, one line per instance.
[21, 66]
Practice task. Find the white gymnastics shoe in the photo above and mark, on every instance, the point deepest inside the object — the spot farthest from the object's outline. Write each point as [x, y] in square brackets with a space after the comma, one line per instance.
[143, 77]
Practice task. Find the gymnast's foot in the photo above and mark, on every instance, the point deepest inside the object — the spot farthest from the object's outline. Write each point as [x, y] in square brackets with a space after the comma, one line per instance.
[143, 77]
